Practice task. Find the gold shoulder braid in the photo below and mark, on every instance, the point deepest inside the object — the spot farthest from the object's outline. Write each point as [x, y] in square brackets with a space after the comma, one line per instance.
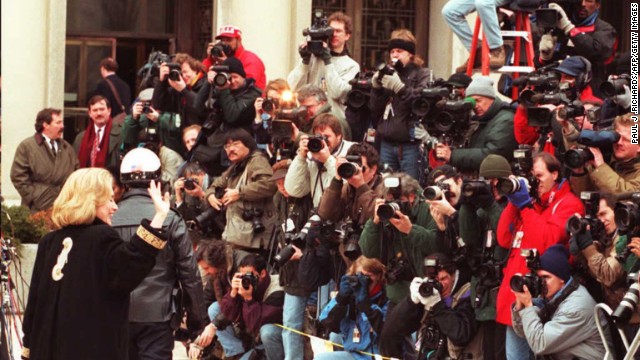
[25, 353]
[150, 238]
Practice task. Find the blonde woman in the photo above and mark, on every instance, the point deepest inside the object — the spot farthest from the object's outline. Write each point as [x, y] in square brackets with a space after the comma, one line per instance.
[356, 315]
[83, 274]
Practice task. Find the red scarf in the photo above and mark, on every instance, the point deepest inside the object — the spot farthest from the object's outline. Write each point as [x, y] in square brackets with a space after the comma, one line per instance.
[87, 144]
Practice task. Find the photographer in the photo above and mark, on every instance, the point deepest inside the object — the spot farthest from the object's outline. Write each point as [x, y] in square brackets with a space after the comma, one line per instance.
[315, 164]
[402, 240]
[229, 104]
[255, 303]
[585, 34]
[329, 67]
[176, 91]
[622, 174]
[532, 223]
[248, 194]
[230, 44]
[314, 100]
[355, 198]
[356, 315]
[266, 114]
[494, 129]
[439, 308]
[393, 91]
[616, 89]
[564, 327]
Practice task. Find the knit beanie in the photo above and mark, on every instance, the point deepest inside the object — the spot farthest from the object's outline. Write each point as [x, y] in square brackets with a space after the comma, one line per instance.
[556, 261]
[235, 66]
[494, 166]
[482, 85]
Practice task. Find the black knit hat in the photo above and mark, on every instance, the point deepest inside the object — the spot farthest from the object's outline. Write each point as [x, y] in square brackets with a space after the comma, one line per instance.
[556, 261]
[235, 66]
[447, 170]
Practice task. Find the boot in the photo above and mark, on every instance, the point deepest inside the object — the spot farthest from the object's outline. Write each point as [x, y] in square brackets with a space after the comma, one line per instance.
[476, 63]
[497, 58]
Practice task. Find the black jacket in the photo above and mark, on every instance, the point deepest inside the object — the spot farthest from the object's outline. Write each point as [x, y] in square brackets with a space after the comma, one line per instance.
[123, 91]
[175, 266]
[397, 127]
[167, 99]
[83, 315]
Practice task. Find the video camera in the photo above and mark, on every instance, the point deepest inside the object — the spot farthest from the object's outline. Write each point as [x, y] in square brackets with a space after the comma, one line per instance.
[578, 225]
[547, 18]
[319, 32]
[533, 282]
[615, 87]
[359, 94]
[603, 140]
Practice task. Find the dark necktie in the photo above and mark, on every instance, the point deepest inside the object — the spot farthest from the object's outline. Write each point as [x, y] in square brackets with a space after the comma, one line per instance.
[53, 147]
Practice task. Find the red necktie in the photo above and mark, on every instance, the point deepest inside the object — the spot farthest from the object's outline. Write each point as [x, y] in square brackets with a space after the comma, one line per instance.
[95, 148]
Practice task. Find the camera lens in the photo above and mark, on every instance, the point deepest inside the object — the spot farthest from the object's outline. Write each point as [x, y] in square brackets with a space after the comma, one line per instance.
[315, 144]
[174, 75]
[517, 282]
[387, 211]
[221, 79]
[576, 158]
[347, 170]
[507, 186]
[628, 304]
[576, 225]
[357, 99]
[284, 255]
[268, 105]
[433, 193]
[189, 184]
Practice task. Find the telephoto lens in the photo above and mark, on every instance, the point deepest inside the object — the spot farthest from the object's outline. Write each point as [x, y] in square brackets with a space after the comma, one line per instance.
[433, 193]
[509, 185]
[576, 158]
[628, 304]
[347, 170]
[284, 255]
[388, 210]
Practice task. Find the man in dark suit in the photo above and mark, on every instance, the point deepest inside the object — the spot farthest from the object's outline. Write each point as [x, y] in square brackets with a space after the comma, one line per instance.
[108, 68]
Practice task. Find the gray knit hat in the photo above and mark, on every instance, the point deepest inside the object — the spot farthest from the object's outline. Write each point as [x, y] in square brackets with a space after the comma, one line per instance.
[482, 85]
[494, 166]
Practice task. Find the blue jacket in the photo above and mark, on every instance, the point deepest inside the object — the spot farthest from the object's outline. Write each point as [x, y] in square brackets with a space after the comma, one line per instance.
[342, 316]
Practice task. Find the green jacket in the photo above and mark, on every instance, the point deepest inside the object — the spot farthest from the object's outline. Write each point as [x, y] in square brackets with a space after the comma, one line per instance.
[421, 241]
[168, 128]
[494, 136]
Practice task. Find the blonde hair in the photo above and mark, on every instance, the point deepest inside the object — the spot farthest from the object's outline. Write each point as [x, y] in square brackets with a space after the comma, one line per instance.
[623, 121]
[407, 35]
[82, 193]
[368, 264]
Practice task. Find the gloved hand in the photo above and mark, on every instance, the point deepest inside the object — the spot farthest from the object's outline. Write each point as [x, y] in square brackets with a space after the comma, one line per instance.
[392, 82]
[584, 239]
[414, 290]
[363, 290]
[374, 80]
[345, 289]
[430, 301]
[305, 54]
[326, 55]
[563, 22]
[623, 100]
[520, 198]
[547, 47]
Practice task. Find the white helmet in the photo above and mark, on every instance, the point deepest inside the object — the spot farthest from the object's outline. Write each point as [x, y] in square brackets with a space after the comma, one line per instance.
[140, 165]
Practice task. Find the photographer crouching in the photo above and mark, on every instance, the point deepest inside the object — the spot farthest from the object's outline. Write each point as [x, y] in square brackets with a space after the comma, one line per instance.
[439, 308]
[565, 326]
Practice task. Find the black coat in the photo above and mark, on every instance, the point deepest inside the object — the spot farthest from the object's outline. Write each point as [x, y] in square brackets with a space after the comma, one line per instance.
[84, 314]
[123, 91]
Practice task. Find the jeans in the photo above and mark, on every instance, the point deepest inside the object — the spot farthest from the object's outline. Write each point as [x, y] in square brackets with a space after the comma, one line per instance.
[271, 337]
[402, 157]
[517, 348]
[293, 317]
[455, 11]
[230, 343]
[337, 353]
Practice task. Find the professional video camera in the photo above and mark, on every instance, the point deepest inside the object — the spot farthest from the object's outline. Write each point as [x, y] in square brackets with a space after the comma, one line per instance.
[221, 49]
[622, 314]
[578, 225]
[615, 87]
[627, 215]
[547, 18]
[319, 32]
[533, 282]
[603, 140]
[425, 105]
[359, 94]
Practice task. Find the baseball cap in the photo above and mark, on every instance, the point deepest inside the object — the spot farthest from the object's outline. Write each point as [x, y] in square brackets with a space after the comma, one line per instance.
[229, 31]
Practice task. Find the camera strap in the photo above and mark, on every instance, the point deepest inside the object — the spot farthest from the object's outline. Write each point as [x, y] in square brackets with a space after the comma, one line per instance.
[115, 94]
[550, 308]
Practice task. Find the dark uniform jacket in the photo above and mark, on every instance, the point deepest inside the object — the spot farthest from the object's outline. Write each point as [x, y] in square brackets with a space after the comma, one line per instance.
[38, 175]
[84, 314]
[175, 265]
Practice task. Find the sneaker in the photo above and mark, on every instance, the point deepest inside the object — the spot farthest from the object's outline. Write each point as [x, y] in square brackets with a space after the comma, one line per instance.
[497, 58]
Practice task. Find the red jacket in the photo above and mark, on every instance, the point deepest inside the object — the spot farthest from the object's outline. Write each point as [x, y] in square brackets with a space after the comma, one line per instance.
[542, 226]
[253, 66]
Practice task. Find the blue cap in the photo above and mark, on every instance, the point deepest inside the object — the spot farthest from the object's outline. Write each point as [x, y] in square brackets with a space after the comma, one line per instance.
[573, 66]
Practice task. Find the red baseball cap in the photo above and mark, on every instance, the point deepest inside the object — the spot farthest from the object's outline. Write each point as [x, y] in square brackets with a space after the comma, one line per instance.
[229, 31]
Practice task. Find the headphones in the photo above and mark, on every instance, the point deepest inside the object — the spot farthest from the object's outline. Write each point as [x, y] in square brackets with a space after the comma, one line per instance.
[585, 77]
